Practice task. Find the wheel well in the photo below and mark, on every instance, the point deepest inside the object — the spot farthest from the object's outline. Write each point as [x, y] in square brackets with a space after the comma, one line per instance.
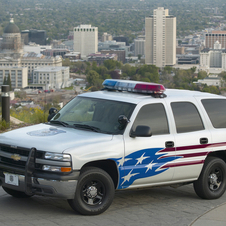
[219, 154]
[107, 165]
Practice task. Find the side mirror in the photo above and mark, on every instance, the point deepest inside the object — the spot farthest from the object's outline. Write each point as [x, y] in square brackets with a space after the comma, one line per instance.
[52, 113]
[123, 121]
[141, 131]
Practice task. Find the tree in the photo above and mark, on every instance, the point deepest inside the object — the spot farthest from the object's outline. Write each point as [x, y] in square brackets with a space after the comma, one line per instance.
[5, 81]
[94, 66]
[91, 77]
[115, 75]
[8, 82]
[202, 74]
[112, 64]
[193, 69]
[66, 62]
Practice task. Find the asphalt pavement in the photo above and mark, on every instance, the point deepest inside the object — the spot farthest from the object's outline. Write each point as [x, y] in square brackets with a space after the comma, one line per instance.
[156, 206]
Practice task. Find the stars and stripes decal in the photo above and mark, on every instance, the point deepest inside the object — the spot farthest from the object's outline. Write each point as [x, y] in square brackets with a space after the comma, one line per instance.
[153, 161]
[141, 164]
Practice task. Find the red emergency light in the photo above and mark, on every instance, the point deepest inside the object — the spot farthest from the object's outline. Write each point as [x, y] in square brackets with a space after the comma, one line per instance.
[134, 86]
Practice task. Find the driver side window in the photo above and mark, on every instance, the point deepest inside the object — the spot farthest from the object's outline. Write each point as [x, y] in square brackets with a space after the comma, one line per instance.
[154, 116]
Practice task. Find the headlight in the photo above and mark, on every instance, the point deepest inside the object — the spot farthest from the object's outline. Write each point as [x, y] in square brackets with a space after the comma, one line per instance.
[57, 156]
[56, 168]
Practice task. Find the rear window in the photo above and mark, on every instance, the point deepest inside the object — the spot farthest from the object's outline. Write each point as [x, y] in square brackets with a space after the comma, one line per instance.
[216, 110]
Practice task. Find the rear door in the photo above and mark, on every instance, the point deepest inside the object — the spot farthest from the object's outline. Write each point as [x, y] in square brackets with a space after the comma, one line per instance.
[192, 139]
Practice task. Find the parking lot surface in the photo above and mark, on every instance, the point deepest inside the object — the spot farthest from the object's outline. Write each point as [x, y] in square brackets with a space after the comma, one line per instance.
[154, 206]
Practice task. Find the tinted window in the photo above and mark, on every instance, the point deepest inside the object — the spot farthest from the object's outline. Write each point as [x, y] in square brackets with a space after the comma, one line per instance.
[216, 110]
[154, 116]
[187, 117]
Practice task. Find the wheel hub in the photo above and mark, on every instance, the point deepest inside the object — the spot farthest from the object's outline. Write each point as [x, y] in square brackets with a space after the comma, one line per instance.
[214, 181]
[91, 192]
[213, 178]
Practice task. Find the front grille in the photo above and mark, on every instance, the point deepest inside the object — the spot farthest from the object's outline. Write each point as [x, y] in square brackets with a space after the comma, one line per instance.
[20, 151]
[8, 153]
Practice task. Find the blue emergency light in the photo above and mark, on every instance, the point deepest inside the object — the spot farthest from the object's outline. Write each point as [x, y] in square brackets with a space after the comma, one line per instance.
[133, 86]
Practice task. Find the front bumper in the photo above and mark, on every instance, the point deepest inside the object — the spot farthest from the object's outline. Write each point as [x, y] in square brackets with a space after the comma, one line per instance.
[62, 187]
[39, 183]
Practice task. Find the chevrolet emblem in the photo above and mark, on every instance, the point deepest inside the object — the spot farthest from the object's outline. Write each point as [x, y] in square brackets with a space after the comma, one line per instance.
[15, 157]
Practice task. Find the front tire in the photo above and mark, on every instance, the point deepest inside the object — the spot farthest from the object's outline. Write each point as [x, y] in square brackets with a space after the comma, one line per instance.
[211, 183]
[16, 194]
[94, 192]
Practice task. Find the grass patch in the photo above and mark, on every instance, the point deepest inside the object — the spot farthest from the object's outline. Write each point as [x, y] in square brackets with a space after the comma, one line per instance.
[69, 88]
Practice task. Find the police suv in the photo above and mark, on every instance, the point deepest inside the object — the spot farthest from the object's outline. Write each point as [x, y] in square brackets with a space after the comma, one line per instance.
[129, 135]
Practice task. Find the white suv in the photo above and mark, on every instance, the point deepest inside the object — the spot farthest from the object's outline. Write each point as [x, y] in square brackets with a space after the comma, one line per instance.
[129, 135]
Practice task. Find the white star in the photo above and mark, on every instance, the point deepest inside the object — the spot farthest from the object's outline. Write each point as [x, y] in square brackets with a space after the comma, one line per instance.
[121, 161]
[127, 178]
[149, 166]
[140, 160]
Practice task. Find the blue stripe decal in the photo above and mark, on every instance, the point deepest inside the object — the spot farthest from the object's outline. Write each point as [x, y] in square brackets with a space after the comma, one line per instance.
[141, 164]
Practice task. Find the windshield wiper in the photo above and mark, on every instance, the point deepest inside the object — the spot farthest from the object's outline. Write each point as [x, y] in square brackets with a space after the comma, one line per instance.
[82, 126]
[59, 122]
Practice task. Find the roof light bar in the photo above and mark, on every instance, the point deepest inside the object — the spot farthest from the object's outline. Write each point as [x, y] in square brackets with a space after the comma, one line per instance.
[133, 86]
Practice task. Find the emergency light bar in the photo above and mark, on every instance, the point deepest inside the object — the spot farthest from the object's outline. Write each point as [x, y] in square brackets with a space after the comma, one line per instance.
[133, 86]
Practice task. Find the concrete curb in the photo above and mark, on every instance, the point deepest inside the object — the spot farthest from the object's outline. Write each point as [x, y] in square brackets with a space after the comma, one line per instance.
[14, 120]
[215, 216]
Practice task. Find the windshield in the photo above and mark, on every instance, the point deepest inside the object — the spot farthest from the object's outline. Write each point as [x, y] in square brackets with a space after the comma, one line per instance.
[93, 114]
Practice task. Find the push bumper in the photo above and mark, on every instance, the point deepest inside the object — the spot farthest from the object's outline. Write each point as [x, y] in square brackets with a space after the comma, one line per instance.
[34, 183]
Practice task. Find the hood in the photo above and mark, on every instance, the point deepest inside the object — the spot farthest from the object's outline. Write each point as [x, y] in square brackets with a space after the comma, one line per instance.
[52, 138]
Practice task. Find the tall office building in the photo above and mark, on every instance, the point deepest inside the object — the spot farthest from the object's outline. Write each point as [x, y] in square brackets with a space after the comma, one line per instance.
[85, 40]
[37, 36]
[211, 38]
[106, 37]
[139, 45]
[160, 36]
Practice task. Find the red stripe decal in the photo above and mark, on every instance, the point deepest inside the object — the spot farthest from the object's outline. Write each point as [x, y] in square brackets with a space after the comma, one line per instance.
[192, 147]
[182, 164]
[186, 155]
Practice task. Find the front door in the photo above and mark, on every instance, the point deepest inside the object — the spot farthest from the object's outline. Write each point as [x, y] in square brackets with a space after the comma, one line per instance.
[146, 157]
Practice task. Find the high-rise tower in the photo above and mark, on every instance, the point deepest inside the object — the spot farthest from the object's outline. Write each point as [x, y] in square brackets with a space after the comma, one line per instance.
[160, 33]
[85, 40]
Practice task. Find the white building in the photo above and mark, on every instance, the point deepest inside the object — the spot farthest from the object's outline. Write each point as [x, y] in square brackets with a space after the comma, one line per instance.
[106, 37]
[139, 45]
[33, 60]
[12, 56]
[160, 35]
[213, 58]
[85, 40]
[18, 76]
[52, 77]
[32, 47]
[211, 80]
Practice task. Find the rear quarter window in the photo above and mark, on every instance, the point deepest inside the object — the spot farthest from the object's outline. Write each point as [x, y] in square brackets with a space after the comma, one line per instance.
[216, 110]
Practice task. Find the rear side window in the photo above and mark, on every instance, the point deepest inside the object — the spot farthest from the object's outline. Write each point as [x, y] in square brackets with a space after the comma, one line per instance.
[186, 117]
[154, 116]
[216, 110]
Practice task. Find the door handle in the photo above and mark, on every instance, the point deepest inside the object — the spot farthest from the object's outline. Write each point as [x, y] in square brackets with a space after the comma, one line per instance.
[203, 140]
[169, 144]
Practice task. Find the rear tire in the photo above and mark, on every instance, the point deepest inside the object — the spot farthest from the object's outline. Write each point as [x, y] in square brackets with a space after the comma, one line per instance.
[16, 194]
[211, 183]
[94, 192]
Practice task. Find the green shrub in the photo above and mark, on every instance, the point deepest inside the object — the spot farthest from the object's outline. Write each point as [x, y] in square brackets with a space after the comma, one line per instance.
[4, 125]
[31, 115]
